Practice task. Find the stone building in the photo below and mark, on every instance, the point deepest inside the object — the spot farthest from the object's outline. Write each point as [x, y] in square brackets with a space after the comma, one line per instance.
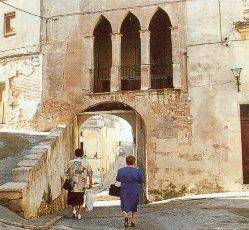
[164, 66]
[20, 63]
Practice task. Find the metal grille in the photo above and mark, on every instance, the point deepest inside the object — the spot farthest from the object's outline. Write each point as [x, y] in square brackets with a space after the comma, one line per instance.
[101, 80]
[161, 76]
[130, 77]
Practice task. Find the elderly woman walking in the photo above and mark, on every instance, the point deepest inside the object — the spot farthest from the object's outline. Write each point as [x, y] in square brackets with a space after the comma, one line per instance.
[78, 171]
[130, 178]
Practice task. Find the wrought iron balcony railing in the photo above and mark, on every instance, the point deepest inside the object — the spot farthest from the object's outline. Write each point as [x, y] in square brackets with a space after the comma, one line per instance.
[130, 77]
[101, 80]
[161, 76]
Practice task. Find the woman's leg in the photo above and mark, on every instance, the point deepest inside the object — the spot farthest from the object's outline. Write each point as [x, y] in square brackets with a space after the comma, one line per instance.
[79, 209]
[74, 211]
[125, 214]
[134, 217]
[126, 219]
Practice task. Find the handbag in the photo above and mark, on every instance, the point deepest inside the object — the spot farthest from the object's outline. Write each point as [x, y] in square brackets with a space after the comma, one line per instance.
[68, 185]
[114, 190]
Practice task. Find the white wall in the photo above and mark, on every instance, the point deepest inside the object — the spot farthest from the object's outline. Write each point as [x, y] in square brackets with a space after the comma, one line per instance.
[214, 47]
[27, 38]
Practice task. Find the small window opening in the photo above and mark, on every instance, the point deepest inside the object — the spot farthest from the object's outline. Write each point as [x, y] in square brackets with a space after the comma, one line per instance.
[9, 24]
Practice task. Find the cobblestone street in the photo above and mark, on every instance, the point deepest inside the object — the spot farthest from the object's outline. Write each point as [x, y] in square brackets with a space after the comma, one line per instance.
[204, 214]
[175, 215]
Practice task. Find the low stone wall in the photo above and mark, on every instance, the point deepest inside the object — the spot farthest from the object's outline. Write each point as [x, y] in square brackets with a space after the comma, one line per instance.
[43, 171]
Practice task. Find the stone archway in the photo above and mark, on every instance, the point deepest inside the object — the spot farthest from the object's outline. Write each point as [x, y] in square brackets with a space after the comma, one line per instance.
[129, 114]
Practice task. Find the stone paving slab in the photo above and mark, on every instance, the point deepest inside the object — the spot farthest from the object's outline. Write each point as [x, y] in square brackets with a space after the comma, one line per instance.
[14, 221]
[178, 215]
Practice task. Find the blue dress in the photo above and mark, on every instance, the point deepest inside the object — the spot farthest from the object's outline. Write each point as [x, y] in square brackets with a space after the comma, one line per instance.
[130, 179]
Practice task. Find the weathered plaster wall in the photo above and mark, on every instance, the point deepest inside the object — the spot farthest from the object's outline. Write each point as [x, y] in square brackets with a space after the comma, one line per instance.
[63, 55]
[21, 64]
[214, 47]
[23, 89]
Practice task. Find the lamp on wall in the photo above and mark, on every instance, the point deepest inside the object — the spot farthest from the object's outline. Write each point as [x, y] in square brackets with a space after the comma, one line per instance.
[236, 73]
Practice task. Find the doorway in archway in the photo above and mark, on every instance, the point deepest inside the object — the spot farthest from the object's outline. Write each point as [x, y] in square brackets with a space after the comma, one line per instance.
[108, 132]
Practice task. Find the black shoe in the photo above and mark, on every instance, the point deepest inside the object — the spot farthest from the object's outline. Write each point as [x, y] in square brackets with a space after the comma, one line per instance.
[126, 222]
[133, 224]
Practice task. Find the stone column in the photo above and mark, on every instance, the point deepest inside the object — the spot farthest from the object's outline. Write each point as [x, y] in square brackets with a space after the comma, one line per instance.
[89, 62]
[176, 57]
[116, 62]
[145, 59]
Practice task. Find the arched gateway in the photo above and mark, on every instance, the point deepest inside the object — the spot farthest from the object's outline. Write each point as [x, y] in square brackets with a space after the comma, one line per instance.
[133, 118]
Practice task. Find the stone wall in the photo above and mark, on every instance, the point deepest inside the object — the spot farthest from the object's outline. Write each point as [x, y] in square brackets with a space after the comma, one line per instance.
[22, 89]
[36, 187]
[187, 150]
[45, 194]
[167, 118]
[214, 47]
[27, 28]
[21, 63]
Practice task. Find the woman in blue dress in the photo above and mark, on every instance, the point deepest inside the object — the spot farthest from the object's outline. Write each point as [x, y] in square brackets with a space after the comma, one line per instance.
[130, 178]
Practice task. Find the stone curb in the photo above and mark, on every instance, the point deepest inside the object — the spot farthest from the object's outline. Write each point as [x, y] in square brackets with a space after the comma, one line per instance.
[33, 227]
[225, 195]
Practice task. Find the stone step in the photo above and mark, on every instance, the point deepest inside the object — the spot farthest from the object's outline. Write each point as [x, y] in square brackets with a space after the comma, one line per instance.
[12, 190]
[21, 174]
[28, 163]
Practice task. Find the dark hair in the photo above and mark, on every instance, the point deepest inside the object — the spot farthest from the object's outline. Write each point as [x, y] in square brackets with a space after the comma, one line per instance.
[79, 152]
[130, 160]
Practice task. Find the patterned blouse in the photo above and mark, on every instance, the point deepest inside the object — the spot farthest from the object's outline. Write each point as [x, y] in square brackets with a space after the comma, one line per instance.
[77, 172]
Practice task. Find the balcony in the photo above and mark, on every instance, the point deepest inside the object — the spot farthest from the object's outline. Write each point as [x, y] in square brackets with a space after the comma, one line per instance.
[101, 78]
[161, 77]
[130, 77]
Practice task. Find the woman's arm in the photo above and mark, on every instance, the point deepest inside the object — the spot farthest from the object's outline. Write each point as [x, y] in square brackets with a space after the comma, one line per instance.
[141, 177]
[118, 178]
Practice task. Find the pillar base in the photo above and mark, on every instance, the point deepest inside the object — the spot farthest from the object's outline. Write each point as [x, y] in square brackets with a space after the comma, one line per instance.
[145, 77]
[115, 79]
